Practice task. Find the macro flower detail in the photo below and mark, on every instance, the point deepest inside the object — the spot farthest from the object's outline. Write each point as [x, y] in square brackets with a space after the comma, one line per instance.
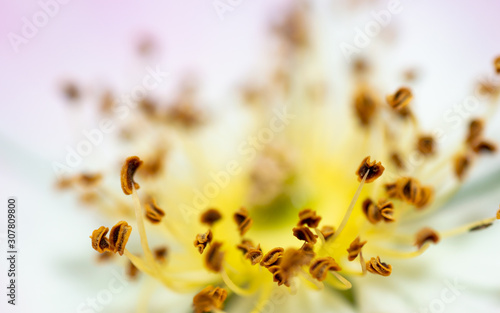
[288, 209]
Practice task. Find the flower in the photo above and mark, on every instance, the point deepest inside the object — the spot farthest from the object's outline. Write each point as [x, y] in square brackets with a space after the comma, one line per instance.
[313, 199]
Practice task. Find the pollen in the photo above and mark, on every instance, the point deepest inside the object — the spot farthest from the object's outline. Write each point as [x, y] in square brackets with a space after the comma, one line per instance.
[118, 236]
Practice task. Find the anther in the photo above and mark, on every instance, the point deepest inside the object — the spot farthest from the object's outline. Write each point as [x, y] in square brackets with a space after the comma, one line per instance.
[426, 145]
[461, 165]
[214, 257]
[99, 241]
[127, 174]
[272, 257]
[308, 217]
[327, 232]
[304, 233]
[425, 235]
[202, 240]
[208, 299]
[152, 212]
[210, 216]
[400, 99]
[355, 249]
[376, 170]
[118, 236]
[242, 220]
[320, 267]
[375, 266]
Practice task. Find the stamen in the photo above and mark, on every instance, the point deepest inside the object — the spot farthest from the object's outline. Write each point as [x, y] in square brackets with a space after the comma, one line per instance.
[243, 220]
[350, 208]
[272, 258]
[327, 232]
[210, 216]
[469, 227]
[214, 257]
[321, 266]
[254, 255]
[202, 240]
[208, 299]
[141, 228]
[484, 146]
[400, 99]
[153, 213]
[397, 160]
[374, 169]
[118, 236]
[161, 254]
[127, 174]
[476, 128]
[235, 288]
[426, 145]
[375, 266]
[99, 241]
[308, 217]
[245, 246]
[355, 249]
[425, 235]
[365, 106]
[461, 165]
[344, 283]
[304, 233]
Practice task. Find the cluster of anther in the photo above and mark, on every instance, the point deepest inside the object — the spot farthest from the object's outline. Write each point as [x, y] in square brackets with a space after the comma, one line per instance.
[117, 240]
[411, 191]
[383, 210]
[475, 144]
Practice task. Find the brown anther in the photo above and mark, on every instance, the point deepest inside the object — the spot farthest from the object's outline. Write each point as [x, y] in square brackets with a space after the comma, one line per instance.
[89, 180]
[386, 209]
[396, 159]
[210, 216]
[426, 145]
[392, 190]
[154, 163]
[202, 240]
[376, 170]
[152, 212]
[131, 270]
[498, 214]
[99, 241]
[127, 174]
[161, 254]
[208, 299]
[409, 189]
[497, 64]
[425, 196]
[71, 91]
[426, 234]
[461, 165]
[272, 257]
[118, 236]
[242, 220]
[293, 258]
[214, 257]
[245, 246]
[476, 128]
[371, 211]
[280, 276]
[308, 217]
[327, 232]
[484, 146]
[148, 107]
[376, 267]
[481, 226]
[254, 255]
[355, 249]
[365, 107]
[304, 233]
[400, 99]
[320, 267]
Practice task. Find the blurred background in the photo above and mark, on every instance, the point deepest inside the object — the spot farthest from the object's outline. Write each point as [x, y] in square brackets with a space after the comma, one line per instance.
[97, 45]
